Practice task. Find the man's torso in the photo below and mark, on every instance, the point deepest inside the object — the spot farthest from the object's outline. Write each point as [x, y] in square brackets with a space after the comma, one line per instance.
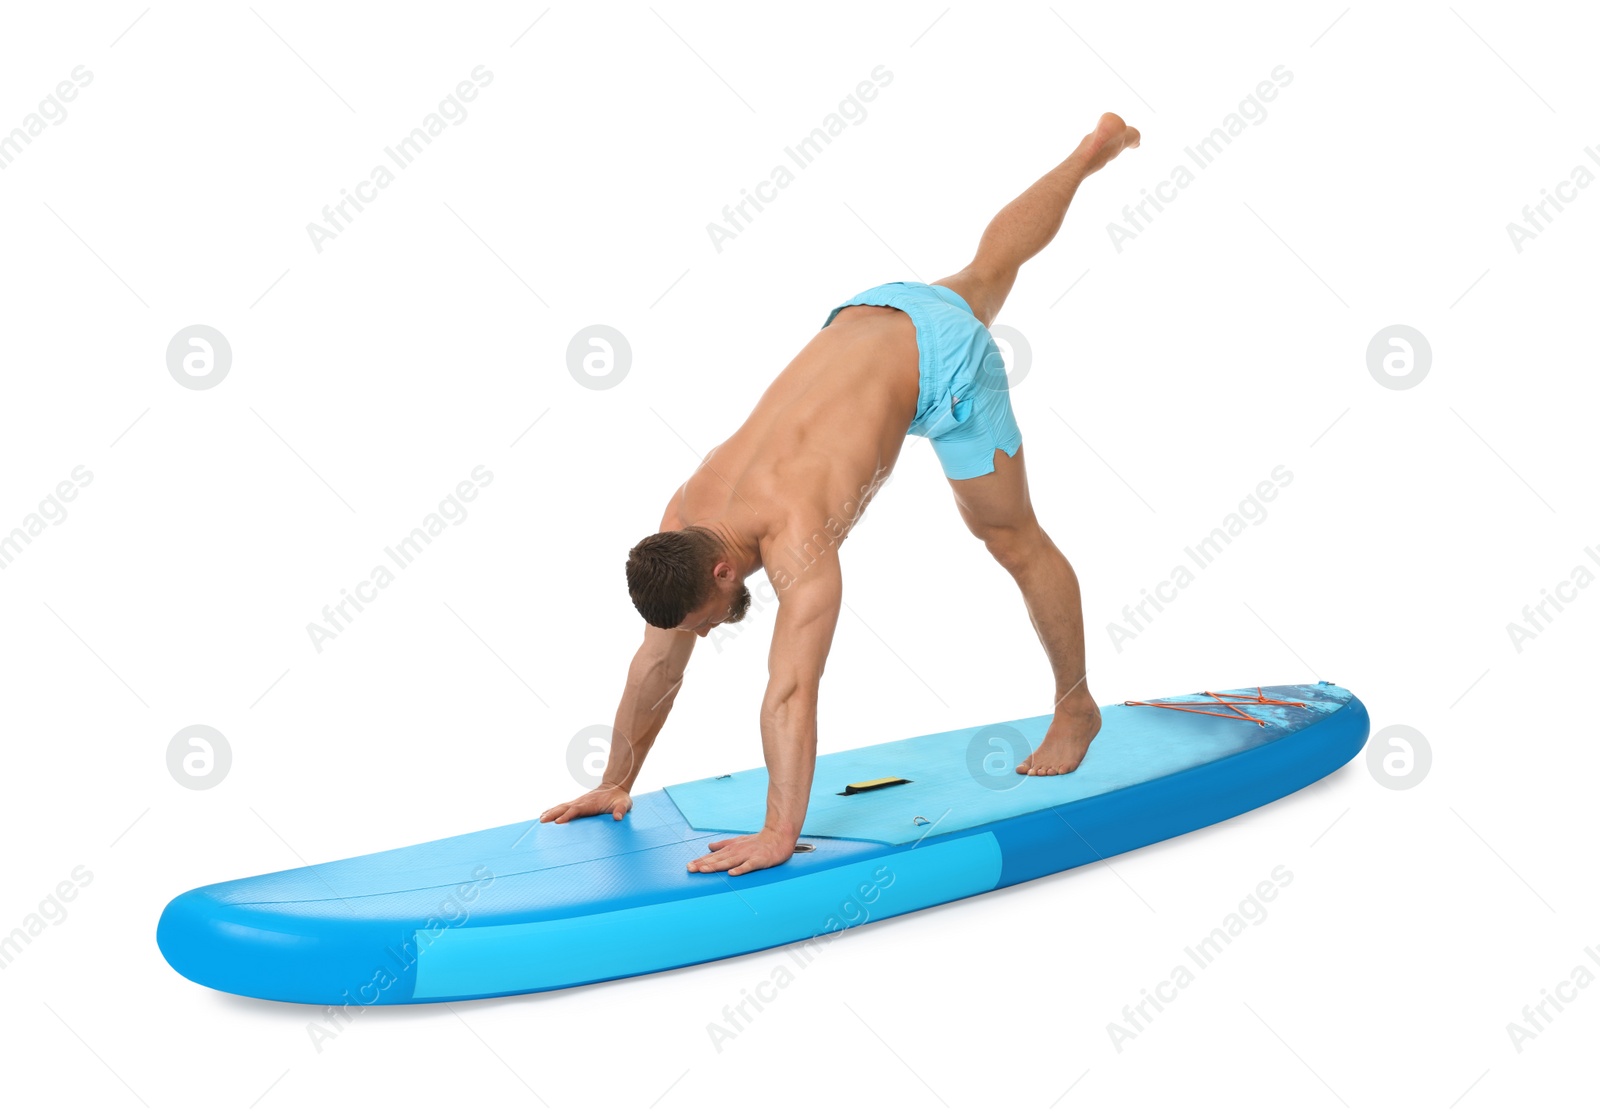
[825, 434]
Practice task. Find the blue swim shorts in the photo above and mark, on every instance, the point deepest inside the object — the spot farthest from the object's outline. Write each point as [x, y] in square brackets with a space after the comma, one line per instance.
[964, 407]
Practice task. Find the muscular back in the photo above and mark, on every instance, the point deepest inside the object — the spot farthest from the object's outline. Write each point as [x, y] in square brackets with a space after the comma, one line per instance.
[798, 472]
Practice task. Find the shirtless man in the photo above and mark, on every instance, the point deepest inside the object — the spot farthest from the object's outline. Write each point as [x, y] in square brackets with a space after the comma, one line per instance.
[782, 492]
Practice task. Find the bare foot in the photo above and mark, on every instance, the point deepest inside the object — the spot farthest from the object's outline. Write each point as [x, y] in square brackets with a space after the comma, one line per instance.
[1111, 136]
[1065, 742]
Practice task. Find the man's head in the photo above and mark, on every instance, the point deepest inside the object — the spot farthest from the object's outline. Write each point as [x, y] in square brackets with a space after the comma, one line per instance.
[683, 579]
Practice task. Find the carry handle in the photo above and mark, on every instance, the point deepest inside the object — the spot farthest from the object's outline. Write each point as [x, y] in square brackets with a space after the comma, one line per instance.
[872, 785]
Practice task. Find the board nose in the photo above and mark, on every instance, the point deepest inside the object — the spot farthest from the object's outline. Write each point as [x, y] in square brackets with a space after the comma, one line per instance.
[189, 932]
[256, 951]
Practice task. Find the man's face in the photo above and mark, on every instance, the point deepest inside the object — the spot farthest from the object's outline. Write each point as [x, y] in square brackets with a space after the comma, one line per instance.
[728, 603]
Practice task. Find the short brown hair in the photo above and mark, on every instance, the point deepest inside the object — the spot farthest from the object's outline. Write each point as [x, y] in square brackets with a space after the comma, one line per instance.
[670, 574]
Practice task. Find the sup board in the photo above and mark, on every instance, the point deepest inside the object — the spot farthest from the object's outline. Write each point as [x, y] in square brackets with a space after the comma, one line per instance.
[892, 828]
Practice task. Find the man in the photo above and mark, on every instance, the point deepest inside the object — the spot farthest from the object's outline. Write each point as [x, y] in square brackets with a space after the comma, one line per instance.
[897, 359]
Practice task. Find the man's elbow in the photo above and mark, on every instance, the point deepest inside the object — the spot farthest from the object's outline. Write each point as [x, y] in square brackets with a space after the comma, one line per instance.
[655, 676]
[790, 698]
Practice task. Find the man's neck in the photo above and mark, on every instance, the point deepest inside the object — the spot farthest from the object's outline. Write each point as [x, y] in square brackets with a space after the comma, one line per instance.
[735, 547]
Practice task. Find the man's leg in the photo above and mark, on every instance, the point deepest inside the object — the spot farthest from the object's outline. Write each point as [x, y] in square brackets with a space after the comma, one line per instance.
[997, 509]
[1030, 222]
[996, 506]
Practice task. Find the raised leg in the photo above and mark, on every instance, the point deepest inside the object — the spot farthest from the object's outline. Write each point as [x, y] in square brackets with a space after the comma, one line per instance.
[1020, 230]
[997, 509]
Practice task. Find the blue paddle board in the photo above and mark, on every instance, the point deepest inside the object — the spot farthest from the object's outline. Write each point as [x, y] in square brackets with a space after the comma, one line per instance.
[892, 828]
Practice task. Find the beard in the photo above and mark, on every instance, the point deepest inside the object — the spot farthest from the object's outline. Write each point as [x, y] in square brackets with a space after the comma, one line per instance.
[741, 606]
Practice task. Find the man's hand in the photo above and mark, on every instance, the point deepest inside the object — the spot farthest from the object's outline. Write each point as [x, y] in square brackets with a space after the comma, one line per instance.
[745, 854]
[614, 801]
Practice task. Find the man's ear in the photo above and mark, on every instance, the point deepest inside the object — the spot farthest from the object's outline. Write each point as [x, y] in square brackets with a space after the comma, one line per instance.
[723, 571]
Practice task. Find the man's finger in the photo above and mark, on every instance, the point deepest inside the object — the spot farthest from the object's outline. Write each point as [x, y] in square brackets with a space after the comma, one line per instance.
[734, 860]
[730, 841]
[749, 865]
[755, 861]
[712, 863]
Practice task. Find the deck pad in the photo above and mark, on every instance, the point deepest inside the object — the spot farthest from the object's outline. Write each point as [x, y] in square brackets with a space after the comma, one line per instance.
[965, 777]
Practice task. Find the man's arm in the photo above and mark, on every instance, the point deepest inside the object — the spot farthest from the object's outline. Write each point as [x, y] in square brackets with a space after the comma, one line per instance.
[807, 614]
[653, 680]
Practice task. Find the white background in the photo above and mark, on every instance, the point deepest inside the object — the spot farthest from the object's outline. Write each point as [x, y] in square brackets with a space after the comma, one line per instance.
[370, 378]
